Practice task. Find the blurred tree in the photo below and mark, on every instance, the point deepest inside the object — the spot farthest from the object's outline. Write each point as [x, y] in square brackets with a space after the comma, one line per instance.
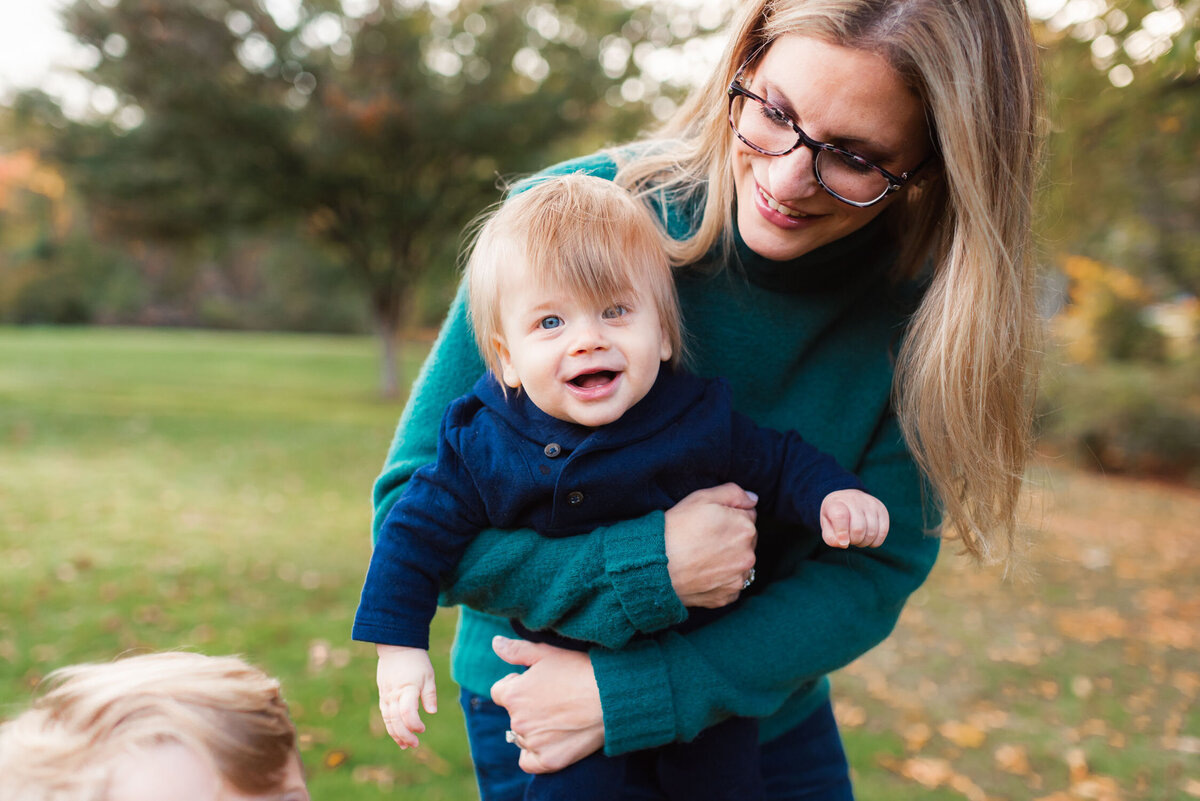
[1124, 169]
[384, 124]
[1106, 319]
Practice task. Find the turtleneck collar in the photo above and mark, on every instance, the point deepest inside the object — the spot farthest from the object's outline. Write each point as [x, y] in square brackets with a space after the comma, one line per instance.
[861, 256]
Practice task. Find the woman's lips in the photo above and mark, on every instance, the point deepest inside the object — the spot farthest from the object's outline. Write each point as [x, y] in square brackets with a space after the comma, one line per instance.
[775, 205]
[777, 213]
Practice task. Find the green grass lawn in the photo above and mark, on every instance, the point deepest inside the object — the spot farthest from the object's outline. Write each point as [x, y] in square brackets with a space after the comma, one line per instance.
[174, 489]
[164, 489]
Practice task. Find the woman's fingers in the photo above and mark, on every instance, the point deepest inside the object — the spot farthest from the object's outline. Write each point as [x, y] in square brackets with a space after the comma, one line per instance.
[729, 494]
[501, 692]
[518, 652]
[710, 540]
[553, 707]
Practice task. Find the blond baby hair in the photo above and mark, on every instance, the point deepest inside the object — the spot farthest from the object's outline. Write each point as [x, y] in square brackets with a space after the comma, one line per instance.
[577, 232]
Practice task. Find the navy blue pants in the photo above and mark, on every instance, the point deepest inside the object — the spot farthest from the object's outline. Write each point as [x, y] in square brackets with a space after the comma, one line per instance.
[806, 764]
[719, 765]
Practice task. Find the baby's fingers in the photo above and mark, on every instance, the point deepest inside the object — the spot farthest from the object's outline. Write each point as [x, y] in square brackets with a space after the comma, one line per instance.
[401, 718]
[429, 696]
[409, 714]
[398, 731]
[879, 529]
[835, 524]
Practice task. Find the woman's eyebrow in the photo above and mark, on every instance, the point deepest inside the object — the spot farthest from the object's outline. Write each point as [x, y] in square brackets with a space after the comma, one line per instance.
[775, 96]
[855, 144]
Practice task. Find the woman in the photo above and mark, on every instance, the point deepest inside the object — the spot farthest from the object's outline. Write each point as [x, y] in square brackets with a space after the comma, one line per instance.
[848, 200]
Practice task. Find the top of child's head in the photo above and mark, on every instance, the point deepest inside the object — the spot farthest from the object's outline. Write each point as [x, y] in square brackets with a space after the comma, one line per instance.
[579, 234]
[176, 725]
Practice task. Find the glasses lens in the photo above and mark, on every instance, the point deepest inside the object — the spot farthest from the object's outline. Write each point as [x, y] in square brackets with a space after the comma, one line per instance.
[850, 177]
[763, 127]
[770, 130]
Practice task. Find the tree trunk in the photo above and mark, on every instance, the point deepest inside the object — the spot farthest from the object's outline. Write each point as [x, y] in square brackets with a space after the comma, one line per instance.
[389, 376]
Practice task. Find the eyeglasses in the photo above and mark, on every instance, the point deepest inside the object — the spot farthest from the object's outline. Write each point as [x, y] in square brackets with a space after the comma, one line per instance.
[847, 176]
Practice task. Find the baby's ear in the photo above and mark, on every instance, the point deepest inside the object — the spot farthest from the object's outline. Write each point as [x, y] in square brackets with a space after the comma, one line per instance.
[665, 351]
[508, 373]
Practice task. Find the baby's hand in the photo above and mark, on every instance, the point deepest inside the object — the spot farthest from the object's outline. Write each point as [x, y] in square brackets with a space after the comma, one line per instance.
[851, 517]
[404, 676]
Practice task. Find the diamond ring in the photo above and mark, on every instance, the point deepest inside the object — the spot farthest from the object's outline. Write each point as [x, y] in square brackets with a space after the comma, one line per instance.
[749, 580]
[510, 736]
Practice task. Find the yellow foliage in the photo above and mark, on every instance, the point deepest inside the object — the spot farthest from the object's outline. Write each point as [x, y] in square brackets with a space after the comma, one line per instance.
[1090, 277]
[1092, 289]
[1170, 125]
[48, 182]
[22, 170]
[15, 169]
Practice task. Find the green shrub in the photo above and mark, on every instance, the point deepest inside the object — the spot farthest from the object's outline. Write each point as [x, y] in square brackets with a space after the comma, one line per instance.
[1123, 334]
[1125, 417]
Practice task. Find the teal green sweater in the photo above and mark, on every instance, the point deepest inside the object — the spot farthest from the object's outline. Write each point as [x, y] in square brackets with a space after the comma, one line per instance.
[805, 345]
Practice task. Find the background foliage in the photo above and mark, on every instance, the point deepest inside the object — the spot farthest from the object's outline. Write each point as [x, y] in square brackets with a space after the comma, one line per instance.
[375, 130]
[311, 166]
[246, 166]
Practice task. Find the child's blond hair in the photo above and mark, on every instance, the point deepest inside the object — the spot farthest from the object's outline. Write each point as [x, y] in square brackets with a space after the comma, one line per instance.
[227, 712]
[578, 232]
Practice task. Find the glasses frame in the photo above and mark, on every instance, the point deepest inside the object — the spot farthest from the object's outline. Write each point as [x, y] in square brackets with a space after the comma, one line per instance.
[894, 182]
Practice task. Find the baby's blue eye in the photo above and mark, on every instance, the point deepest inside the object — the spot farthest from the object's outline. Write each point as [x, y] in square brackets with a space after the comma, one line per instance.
[553, 321]
[612, 312]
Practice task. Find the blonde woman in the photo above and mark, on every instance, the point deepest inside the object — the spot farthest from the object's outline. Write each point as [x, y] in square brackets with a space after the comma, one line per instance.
[181, 726]
[847, 202]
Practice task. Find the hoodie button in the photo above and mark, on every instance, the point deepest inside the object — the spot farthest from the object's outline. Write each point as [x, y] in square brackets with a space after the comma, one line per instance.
[552, 450]
[575, 497]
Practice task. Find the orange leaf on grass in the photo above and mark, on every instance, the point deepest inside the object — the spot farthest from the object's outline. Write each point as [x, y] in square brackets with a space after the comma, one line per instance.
[964, 735]
[1091, 625]
[1013, 759]
[916, 735]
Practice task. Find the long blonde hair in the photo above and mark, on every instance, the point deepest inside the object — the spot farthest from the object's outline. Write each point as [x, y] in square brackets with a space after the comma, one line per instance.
[967, 369]
[225, 711]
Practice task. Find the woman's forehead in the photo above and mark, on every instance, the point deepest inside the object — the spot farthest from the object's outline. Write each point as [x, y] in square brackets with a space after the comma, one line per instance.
[839, 91]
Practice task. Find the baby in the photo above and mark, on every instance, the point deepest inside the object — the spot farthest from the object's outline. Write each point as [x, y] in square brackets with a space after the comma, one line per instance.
[583, 419]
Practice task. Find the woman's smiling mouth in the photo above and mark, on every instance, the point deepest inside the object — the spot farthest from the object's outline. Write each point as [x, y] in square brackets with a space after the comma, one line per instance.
[775, 205]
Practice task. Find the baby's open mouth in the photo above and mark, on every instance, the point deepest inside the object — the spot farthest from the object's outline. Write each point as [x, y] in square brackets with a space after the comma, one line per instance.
[596, 379]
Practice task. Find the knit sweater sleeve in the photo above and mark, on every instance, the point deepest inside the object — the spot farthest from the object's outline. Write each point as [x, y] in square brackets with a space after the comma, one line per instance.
[601, 587]
[790, 476]
[833, 607]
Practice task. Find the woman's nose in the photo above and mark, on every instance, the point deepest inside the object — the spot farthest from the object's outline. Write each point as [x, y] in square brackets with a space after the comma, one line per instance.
[792, 176]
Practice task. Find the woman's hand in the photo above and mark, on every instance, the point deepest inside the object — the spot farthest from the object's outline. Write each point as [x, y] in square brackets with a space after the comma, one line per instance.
[554, 706]
[710, 545]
